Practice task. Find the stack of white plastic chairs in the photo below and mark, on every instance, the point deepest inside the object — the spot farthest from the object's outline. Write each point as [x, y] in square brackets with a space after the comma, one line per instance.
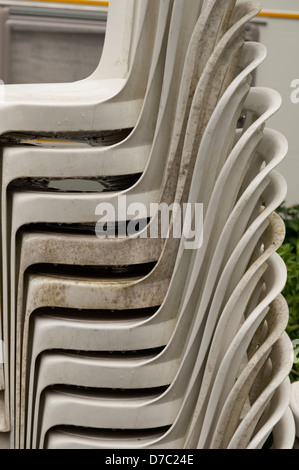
[139, 341]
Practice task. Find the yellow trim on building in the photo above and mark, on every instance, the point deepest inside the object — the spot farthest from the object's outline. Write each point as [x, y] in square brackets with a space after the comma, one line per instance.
[78, 2]
[281, 15]
[265, 14]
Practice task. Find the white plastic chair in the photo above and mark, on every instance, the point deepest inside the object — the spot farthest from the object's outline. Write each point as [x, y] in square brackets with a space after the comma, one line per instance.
[219, 54]
[225, 294]
[284, 432]
[34, 296]
[230, 417]
[68, 244]
[84, 438]
[17, 194]
[229, 319]
[176, 430]
[142, 413]
[36, 163]
[25, 264]
[193, 40]
[59, 412]
[35, 257]
[284, 349]
[271, 150]
[276, 162]
[44, 240]
[103, 444]
[137, 190]
[273, 417]
[163, 11]
[87, 408]
[169, 438]
[229, 287]
[274, 278]
[237, 29]
[25, 328]
[219, 148]
[108, 199]
[45, 376]
[263, 103]
[89, 203]
[51, 366]
[294, 404]
[281, 361]
[64, 329]
[111, 98]
[130, 155]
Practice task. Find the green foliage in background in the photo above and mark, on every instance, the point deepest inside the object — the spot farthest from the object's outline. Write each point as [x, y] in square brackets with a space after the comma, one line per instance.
[289, 251]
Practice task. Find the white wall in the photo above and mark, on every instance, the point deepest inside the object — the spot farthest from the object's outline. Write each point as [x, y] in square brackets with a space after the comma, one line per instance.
[281, 5]
[281, 37]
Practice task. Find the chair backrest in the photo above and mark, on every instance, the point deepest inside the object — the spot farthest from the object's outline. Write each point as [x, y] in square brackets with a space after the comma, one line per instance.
[122, 23]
